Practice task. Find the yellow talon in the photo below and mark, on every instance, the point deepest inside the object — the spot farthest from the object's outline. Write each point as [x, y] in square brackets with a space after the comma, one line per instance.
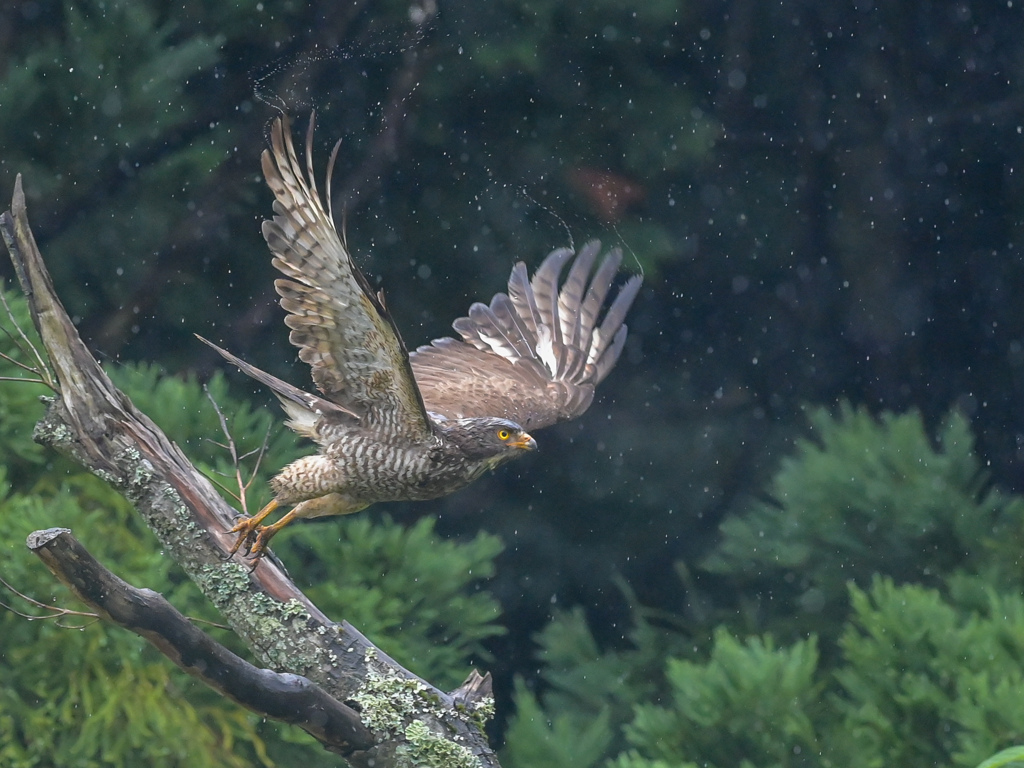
[250, 531]
[265, 533]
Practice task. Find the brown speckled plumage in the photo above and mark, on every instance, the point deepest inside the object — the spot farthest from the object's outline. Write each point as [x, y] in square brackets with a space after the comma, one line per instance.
[393, 426]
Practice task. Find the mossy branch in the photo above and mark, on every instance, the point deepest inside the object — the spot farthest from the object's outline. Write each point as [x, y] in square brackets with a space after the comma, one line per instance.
[282, 696]
[92, 422]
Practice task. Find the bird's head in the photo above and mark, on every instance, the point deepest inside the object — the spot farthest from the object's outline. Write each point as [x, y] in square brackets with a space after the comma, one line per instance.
[492, 441]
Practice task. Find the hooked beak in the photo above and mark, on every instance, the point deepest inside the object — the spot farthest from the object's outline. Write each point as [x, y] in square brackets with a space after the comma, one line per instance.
[525, 442]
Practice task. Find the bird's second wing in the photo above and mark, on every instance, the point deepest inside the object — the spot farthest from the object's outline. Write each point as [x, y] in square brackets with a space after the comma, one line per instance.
[340, 326]
[535, 354]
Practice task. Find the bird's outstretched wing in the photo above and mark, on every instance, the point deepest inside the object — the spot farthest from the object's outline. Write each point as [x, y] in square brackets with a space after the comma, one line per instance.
[535, 354]
[340, 326]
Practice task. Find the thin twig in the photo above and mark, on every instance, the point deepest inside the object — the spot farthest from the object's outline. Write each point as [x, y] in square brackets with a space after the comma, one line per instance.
[236, 460]
[42, 370]
[259, 457]
[12, 360]
[232, 450]
[54, 612]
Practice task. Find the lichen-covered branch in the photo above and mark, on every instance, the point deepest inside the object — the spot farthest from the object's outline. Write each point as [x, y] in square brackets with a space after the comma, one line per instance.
[278, 695]
[96, 425]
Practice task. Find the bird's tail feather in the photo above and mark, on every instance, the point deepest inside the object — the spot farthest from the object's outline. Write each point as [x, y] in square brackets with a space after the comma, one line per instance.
[303, 409]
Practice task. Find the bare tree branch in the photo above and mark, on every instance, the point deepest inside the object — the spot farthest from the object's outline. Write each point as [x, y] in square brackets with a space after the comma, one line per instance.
[96, 425]
[281, 696]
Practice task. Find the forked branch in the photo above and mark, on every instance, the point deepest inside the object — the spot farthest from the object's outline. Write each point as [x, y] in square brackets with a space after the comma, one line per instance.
[96, 425]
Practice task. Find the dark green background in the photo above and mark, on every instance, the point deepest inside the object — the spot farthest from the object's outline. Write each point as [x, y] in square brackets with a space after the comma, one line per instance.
[832, 209]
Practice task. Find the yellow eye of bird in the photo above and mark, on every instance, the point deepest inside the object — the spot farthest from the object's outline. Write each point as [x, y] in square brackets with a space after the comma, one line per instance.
[503, 434]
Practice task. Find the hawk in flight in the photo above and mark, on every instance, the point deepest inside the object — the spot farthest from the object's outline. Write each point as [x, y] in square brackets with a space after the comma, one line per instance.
[394, 426]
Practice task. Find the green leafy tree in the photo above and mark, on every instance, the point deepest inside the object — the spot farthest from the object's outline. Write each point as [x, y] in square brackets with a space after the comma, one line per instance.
[107, 93]
[921, 681]
[928, 680]
[751, 704]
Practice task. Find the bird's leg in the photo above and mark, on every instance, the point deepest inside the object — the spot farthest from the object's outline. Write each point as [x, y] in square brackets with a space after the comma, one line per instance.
[246, 528]
[266, 532]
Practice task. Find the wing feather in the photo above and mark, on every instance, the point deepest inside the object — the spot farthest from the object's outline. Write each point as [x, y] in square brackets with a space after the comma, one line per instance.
[525, 303]
[516, 331]
[600, 284]
[535, 354]
[545, 287]
[340, 326]
[572, 292]
[612, 325]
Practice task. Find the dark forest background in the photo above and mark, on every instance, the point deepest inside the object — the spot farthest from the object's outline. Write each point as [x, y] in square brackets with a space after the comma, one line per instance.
[827, 203]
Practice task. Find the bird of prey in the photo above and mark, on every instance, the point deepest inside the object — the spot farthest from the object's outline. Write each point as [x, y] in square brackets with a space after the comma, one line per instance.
[395, 426]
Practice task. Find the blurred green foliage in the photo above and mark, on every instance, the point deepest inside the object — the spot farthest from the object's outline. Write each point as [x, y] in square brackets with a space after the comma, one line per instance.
[1008, 758]
[929, 679]
[414, 593]
[590, 692]
[921, 657]
[828, 208]
[110, 143]
[922, 681]
[865, 496]
[750, 704]
[18, 453]
[77, 692]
